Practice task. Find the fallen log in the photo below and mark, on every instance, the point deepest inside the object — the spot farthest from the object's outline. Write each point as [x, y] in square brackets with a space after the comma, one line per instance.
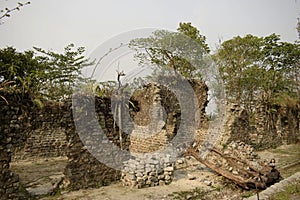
[251, 178]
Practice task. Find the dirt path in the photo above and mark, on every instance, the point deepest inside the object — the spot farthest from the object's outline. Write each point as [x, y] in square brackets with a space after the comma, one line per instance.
[118, 192]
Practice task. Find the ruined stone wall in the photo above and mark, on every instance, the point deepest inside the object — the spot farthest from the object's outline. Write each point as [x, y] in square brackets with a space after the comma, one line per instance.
[271, 129]
[236, 126]
[155, 123]
[26, 132]
[51, 132]
[33, 132]
[46, 136]
[13, 120]
[276, 125]
[83, 170]
[201, 92]
[89, 153]
[159, 116]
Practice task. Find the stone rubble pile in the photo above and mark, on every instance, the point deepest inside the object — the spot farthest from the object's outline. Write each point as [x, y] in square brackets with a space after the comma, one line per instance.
[241, 150]
[236, 157]
[148, 171]
[245, 152]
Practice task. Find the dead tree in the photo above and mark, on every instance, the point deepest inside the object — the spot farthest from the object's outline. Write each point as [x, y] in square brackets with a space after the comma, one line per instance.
[118, 106]
[119, 74]
[248, 176]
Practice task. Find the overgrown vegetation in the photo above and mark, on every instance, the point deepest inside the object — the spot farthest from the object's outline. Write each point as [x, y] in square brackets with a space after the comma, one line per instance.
[260, 71]
[260, 74]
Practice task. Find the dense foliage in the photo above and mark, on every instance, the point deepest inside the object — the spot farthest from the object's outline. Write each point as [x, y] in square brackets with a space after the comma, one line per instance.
[260, 70]
[182, 52]
[44, 75]
[255, 70]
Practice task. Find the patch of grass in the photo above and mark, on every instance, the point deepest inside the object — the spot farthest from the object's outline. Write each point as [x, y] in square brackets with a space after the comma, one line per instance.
[56, 193]
[224, 146]
[290, 192]
[217, 188]
[194, 194]
[290, 171]
[247, 194]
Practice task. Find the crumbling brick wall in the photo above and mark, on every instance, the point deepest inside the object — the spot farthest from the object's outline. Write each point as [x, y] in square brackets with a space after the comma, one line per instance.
[46, 136]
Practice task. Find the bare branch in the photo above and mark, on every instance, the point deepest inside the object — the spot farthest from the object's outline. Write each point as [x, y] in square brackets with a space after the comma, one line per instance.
[6, 12]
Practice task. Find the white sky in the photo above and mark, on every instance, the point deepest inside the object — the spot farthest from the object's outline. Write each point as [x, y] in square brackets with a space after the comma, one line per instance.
[52, 24]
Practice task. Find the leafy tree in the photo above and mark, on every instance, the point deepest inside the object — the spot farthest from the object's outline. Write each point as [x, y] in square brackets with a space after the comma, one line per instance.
[237, 59]
[281, 63]
[259, 70]
[21, 69]
[181, 51]
[192, 32]
[298, 27]
[48, 75]
[62, 70]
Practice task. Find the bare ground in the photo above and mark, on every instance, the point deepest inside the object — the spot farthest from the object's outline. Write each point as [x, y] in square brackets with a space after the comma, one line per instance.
[205, 184]
[287, 158]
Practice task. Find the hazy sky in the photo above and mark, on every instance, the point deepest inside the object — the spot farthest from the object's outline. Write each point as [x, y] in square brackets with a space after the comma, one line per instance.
[52, 24]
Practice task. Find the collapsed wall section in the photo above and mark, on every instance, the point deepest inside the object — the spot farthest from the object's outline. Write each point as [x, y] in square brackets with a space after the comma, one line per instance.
[157, 123]
[160, 113]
